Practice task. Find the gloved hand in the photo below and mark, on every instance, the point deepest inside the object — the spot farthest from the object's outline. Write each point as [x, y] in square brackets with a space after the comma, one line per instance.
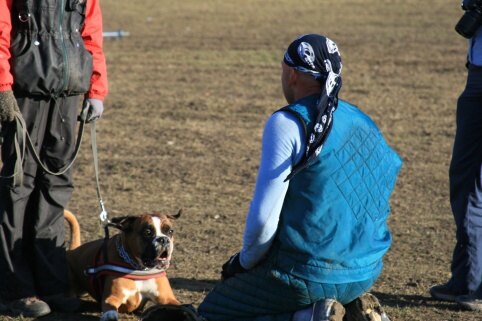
[232, 267]
[8, 106]
[92, 110]
[156, 312]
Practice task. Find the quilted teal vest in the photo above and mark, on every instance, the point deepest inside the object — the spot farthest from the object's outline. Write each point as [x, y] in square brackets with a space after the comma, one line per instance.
[333, 222]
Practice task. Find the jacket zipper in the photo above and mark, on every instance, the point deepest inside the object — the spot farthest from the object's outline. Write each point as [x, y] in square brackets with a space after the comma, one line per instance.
[64, 49]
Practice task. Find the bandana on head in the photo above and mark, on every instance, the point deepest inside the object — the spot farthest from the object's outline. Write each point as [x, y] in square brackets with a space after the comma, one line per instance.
[317, 56]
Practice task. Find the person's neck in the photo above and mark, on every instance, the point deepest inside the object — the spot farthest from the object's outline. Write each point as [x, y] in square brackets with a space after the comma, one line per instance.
[309, 92]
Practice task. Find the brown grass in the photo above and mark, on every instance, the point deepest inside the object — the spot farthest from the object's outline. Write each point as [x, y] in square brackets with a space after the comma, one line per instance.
[191, 87]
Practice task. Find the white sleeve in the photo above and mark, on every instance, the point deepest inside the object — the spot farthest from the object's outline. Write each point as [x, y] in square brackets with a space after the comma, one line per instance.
[282, 147]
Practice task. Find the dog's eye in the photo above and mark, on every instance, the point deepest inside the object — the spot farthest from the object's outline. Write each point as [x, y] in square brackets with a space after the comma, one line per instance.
[147, 232]
[170, 232]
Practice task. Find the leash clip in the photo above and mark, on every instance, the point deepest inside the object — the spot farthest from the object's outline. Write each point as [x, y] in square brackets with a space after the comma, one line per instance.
[104, 217]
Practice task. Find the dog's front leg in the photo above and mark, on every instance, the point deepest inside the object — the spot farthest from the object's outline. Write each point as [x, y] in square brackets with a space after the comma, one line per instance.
[120, 296]
[112, 298]
[165, 293]
[110, 306]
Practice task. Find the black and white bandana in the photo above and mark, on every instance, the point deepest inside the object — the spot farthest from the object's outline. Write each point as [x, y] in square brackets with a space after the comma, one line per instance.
[318, 56]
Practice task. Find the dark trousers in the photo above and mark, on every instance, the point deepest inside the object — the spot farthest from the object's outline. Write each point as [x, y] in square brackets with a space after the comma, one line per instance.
[32, 239]
[265, 293]
[466, 188]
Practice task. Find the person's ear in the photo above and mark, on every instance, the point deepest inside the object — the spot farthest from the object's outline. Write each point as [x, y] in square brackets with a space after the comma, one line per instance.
[293, 76]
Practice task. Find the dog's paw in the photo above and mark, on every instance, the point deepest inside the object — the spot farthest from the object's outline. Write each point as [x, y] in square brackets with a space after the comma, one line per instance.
[110, 316]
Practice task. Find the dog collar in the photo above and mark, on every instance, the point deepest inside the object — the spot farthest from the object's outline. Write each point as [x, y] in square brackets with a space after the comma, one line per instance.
[124, 255]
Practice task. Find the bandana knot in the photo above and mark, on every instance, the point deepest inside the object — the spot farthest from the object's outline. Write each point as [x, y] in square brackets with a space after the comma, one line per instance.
[318, 56]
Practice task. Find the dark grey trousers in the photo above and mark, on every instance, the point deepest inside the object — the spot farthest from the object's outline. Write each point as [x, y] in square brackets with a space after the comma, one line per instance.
[32, 239]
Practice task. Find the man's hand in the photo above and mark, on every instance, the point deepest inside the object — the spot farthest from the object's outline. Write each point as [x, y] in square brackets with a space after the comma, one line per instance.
[232, 267]
[93, 109]
[8, 106]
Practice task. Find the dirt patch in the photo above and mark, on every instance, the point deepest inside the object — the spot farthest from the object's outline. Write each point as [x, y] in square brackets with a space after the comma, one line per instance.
[191, 88]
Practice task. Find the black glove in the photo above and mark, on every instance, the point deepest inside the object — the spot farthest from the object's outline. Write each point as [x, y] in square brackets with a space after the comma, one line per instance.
[159, 312]
[232, 267]
[8, 106]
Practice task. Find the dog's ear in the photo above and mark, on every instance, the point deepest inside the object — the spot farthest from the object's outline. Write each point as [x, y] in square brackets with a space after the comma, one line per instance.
[124, 223]
[175, 217]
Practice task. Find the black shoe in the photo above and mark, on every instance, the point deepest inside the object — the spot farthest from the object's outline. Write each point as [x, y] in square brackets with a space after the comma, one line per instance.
[365, 308]
[444, 292]
[62, 303]
[3, 307]
[31, 307]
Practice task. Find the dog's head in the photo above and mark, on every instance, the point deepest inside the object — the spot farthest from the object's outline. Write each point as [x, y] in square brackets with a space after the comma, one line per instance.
[148, 238]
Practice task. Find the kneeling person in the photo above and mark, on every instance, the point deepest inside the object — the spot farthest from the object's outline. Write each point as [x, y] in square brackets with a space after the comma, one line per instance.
[316, 229]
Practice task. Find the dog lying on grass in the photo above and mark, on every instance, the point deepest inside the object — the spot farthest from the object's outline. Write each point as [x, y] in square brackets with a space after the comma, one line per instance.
[127, 270]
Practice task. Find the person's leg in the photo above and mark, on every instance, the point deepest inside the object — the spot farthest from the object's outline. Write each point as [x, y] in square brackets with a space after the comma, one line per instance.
[37, 251]
[52, 195]
[264, 294]
[354, 299]
[16, 279]
[255, 293]
[17, 284]
[473, 301]
[465, 191]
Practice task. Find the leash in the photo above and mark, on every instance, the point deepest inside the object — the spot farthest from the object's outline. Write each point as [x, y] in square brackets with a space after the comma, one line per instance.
[19, 139]
[19, 145]
[103, 216]
[37, 157]
[22, 141]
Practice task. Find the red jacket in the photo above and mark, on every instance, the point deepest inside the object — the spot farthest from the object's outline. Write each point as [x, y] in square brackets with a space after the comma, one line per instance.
[91, 34]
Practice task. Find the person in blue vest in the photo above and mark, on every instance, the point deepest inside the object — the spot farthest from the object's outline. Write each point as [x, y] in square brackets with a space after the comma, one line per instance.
[316, 230]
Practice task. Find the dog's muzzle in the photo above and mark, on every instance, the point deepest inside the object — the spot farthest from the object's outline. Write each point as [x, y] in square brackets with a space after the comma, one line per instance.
[160, 255]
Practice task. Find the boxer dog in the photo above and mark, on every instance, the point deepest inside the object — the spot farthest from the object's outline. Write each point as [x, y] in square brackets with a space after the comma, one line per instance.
[124, 271]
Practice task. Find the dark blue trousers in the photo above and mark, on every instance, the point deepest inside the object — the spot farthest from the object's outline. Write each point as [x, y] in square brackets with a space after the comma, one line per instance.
[466, 187]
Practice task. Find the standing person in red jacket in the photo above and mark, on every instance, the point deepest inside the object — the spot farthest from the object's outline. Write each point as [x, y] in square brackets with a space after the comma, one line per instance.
[50, 58]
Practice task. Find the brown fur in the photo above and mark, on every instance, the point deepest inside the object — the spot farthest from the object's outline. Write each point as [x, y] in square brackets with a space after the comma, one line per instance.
[115, 298]
[74, 229]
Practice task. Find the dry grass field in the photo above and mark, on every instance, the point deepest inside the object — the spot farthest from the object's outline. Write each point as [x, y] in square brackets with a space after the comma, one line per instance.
[191, 88]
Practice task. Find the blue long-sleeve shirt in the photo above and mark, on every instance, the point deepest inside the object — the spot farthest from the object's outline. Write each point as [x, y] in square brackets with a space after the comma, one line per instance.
[475, 48]
[282, 147]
